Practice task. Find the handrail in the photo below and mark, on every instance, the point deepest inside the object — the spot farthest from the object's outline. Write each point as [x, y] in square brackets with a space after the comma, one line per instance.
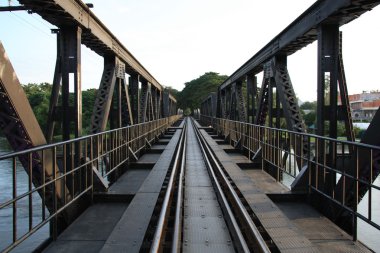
[72, 179]
[359, 144]
[351, 167]
[61, 143]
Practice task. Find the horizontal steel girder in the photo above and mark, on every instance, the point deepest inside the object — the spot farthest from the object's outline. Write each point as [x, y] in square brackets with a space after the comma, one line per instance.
[303, 31]
[95, 34]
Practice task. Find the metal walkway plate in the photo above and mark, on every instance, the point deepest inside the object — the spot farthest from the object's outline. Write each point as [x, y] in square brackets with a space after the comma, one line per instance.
[204, 227]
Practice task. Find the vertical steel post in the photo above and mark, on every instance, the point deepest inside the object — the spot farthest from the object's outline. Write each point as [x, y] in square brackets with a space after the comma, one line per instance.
[239, 101]
[165, 104]
[134, 93]
[251, 97]
[219, 103]
[328, 64]
[270, 102]
[52, 114]
[71, 64]
[103, 101]
[143, 110]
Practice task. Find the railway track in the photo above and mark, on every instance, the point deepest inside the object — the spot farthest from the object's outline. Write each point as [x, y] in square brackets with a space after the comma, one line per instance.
[200, 208]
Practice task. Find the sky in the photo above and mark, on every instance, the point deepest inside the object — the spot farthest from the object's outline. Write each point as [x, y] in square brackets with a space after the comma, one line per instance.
[179, 40]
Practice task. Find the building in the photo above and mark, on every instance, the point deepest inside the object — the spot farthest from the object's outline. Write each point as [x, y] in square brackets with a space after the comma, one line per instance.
[364, 105]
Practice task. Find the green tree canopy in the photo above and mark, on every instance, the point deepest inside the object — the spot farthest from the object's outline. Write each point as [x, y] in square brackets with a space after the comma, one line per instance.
[172, 91]
[39, 97]
[198, 89]
[309, 105]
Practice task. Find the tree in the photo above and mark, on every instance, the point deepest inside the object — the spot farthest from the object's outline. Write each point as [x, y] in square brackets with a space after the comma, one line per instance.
[310, 118]
[309, 106]
[198, 89]
[88, 102]
[39, 99]
[172, 91]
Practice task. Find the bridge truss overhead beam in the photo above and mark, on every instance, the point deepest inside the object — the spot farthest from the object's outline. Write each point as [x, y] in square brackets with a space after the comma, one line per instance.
[95, 34]
[303, 31]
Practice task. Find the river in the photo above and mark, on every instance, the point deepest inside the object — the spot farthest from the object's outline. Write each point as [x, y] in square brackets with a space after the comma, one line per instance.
[366, 233]
[6, 219]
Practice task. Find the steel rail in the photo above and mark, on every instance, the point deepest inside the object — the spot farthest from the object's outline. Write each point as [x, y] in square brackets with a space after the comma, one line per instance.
[159, 233]
[243, 246]
[176, 243]
[250, 226]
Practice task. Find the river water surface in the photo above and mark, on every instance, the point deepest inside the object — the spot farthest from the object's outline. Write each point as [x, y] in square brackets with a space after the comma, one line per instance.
[6, 214]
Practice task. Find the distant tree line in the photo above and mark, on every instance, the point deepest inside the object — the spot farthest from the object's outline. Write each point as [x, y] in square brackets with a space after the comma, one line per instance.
[194, 92]
[189, 98]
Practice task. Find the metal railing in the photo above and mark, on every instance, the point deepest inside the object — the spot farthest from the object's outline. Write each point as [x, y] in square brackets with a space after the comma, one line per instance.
[55, 177]
[340, 171]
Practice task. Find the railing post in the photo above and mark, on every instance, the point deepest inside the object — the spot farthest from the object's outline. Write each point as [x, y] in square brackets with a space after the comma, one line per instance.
[356, 198]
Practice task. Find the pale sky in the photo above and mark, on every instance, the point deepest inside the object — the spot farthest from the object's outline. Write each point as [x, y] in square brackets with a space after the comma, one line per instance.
[179, 40]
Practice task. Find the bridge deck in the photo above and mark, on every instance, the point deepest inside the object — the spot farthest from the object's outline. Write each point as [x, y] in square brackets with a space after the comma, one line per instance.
[119, 221]
[110, 226]
[295, 226]
[204, 227]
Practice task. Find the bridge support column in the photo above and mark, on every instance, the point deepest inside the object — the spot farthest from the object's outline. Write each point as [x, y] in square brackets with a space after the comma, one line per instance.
[213, 104]
[20, 127]
[68, 71]
[165, 104]
[331, 76]
[67, 79]
[112, 104]
[329, 112]
[221, 105]
[68, 62]
[134, 92]
[272, 106]
[237, 102]
[251, 97]
[146, 102]
[159, 104]
[112, 98]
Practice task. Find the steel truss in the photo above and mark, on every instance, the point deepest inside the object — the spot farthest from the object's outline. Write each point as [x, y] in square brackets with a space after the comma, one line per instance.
[20, 127]
[320, 22]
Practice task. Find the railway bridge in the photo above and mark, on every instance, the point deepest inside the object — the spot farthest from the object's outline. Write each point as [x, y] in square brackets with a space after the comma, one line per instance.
[241, 174]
